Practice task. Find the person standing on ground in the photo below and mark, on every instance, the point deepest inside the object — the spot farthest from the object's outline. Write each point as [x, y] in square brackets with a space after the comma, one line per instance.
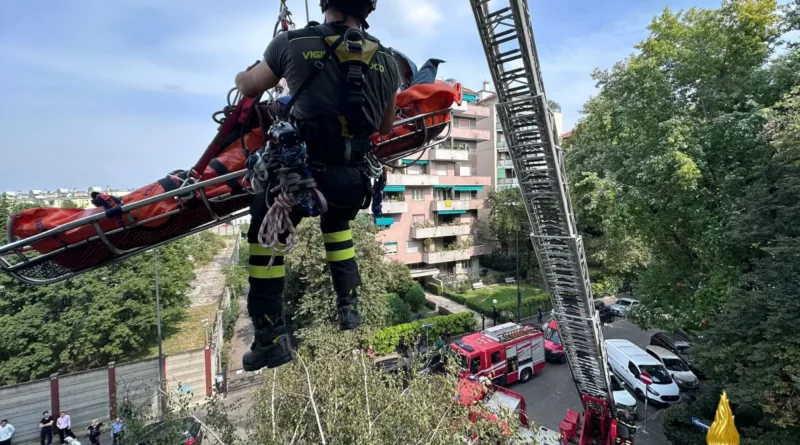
[46, 429]
[126, 408]
[117, 430]
[539, 315]
[419, 343]
[94, 432]
[6, 431]
[447, 336]
[63, 424]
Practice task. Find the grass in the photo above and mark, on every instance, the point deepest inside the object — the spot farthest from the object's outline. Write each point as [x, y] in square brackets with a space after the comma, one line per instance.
[503, 293]
[190, 334]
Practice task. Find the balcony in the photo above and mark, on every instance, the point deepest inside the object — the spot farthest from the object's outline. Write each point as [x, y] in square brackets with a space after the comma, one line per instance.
[391, 207]
[472, 204]
[444, 154]
[471, 110]
[501, 146]
[441, 231]
[411, 180]
[467, 180]
[505, 163]
[507, 181]
[448, 256]
[470, 134]
[421, 273]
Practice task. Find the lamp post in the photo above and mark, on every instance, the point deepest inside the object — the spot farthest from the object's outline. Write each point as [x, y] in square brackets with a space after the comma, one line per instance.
[494, 312]
[519, 294]
[158, 330]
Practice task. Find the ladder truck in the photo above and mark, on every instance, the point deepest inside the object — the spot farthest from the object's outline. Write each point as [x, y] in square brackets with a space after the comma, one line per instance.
[533, 142]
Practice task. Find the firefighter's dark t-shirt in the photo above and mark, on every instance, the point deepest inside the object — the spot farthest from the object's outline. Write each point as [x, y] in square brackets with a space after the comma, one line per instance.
[294, 59]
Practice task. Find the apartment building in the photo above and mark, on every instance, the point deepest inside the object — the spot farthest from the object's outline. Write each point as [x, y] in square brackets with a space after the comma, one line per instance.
[430, 211]
[60, 196]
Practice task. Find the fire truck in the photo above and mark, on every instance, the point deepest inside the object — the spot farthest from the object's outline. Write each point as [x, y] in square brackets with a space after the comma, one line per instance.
[505, 353]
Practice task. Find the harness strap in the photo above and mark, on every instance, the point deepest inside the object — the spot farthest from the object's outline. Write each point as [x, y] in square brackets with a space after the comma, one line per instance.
[319, 65]
[220, 169]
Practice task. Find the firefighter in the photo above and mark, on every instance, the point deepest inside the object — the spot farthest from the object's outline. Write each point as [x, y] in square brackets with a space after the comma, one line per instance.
[343, 84]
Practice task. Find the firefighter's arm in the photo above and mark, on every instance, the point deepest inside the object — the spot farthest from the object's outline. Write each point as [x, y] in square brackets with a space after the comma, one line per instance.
[255, 81]
[388, 115]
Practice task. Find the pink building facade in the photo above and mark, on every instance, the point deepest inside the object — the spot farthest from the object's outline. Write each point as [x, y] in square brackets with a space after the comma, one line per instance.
[430, 210]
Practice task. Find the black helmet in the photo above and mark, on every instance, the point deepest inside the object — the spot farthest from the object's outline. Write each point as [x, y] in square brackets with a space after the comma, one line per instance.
[347, 6]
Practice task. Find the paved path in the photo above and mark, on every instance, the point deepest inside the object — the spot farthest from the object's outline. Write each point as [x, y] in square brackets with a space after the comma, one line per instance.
[209, 283]
[243, 332]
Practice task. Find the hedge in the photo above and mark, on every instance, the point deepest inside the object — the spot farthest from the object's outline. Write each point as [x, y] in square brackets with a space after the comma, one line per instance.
[434, 288]
[430, 305]
[458, 298]
[387, 339]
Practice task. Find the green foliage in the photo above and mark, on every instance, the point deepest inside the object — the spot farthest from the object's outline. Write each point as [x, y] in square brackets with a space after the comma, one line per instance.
[387, 339]
[399, 278]
[434, 288]
[88, 321]
[69, 205]
[229, 317]
[501, 262]
[309, 291]
[415, 297]
[204, 247]
[399, 310]
[458, 298]
[607, 285]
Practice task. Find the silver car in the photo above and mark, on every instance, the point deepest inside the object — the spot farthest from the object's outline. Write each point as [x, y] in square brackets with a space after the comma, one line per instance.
[623, 306]
[679, 371]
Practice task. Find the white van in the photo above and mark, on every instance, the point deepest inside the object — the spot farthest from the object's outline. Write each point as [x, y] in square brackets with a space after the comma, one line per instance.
[628, 361]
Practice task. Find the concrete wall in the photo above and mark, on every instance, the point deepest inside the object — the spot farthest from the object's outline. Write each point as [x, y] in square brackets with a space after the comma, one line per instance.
[84, 396]
[138, 381]
[22, 405]
[186, 374]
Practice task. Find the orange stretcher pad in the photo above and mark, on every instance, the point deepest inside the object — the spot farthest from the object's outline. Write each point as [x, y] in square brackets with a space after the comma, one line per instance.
[170, 218]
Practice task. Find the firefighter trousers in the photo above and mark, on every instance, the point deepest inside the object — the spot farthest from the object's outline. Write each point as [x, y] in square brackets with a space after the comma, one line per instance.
[343, 188]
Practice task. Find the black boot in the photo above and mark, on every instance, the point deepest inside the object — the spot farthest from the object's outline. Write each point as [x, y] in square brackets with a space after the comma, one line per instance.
[347, 308]
[271, 347]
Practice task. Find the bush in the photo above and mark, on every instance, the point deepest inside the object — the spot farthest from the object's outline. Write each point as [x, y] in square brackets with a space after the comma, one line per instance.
[398, 278]
[458, 298]
[229, 317]
[434, 288]
[399, 310]
[387, 339]
[499, 261]
[415, 297]
[430, 305]
[608, 285]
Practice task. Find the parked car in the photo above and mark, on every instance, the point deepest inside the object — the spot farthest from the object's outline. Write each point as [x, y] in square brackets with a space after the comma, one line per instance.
[677, 343]
[628, 361]
[623, 306]
[553, 349]
[622, 398]
[606, 315]
[679, 370]
[182, 431]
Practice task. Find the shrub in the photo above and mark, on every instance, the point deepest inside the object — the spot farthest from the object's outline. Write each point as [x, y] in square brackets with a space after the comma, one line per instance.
[229, 317]
[399, 310]
[434, 288]
[609, 285]
[387, 339]
[458, 298]
[430, 305]
[399, 278]
[499, 261]
[415, 297]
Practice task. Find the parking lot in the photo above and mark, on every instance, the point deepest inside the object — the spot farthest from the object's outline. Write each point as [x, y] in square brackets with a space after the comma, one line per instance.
[550, 393]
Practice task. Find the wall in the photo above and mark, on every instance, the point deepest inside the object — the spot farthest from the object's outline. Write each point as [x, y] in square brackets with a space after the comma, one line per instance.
[186, 374]
[84, 396]
[138, 381]
[22, 405]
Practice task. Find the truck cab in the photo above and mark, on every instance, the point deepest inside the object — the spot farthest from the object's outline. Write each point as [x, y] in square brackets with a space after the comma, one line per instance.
[554, 350]
[505, 353]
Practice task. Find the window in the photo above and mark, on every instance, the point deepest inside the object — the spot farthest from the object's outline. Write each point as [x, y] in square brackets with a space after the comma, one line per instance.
[658, 372]
[416, 194]
[467, 265]
[465, 170]
[634, 370]
[390, 248]
[414, 169]
[441, 169]
[465, 123]
[552, 335]
[418, 219]
[441, 194]
[413, 246]
[476, 365]
[495, 357]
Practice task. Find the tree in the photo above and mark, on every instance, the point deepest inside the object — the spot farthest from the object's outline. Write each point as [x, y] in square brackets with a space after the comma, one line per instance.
[69, 205]
[309, 290]
[554, 106]
[509, 224]
[399, 311]
[415, 297]
[337, 396]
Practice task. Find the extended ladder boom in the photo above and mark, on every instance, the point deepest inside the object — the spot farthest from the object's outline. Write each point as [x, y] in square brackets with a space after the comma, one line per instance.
[532, 139]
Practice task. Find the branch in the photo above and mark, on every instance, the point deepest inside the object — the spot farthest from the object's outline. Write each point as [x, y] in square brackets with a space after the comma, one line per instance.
[311, 396]
[274, 382]
[438, 425]
[366, 395]
[296, 427]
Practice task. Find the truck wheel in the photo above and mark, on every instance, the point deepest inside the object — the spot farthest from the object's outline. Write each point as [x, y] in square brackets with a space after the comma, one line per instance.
[525, 375]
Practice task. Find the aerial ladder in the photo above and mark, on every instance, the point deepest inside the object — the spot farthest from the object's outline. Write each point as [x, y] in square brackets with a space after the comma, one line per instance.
[533, 142]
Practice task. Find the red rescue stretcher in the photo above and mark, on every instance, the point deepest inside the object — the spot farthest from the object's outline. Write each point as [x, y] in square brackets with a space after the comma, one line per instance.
[49, 245]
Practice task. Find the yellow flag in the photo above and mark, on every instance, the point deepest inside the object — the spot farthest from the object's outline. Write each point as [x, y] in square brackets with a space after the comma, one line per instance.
[723, 430]
[448, 203]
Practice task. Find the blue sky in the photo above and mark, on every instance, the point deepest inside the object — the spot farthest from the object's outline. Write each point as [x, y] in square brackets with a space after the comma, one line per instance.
[97, 92]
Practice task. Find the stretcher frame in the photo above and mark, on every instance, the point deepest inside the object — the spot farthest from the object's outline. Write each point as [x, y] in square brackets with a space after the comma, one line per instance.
[27, 257]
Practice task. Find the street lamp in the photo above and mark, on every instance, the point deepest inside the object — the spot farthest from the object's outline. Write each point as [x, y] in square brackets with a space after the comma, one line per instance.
[160, 351]
[494, 311]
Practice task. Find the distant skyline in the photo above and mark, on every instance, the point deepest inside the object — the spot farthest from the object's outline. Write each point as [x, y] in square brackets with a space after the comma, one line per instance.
[122, 92]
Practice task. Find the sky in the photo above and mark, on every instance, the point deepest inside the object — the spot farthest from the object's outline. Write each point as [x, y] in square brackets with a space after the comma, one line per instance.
[119, 93]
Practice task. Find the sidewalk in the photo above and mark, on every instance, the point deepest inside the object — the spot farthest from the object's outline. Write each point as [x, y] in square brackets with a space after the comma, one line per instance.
[209, 282]
[451, 306]
[242, 333]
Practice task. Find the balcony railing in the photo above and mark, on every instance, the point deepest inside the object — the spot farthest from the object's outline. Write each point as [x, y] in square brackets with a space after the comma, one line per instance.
[448, 256]
[507, 181]
[444, 154]
[441, 231]
[471, 110]
[505, 163]
[472, 204]
[392, 207]
[411, 180]
[470, 134]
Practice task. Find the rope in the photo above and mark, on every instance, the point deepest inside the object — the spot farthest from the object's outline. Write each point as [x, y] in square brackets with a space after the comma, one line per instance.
[278, 221]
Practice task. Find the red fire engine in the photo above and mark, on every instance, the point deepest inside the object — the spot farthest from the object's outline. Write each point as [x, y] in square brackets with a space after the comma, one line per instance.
[505, 353]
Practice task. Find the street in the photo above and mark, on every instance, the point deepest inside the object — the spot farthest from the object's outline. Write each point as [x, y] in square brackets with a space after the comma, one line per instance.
[552, 392]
